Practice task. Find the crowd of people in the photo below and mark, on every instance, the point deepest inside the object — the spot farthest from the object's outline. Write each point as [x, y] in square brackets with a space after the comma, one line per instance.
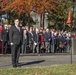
[38, 40]
[27, 39]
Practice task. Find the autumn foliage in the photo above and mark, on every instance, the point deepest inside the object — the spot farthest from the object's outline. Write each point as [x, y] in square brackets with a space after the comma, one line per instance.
[42, 6]
[26, 6]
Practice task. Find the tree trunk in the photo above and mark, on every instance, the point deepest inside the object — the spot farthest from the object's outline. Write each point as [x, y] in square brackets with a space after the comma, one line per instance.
[42, 19]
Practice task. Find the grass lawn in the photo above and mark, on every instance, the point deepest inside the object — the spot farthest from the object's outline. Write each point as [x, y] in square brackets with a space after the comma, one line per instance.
[51, 70]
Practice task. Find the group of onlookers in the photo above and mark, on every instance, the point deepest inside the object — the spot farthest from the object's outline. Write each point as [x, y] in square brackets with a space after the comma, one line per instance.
[46, 40]
[24, 39]
[39, 40]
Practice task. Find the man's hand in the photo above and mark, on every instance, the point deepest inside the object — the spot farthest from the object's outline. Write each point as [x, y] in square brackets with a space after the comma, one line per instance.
[35, 43]
[1, 40]
[49, 39]
[11, 43]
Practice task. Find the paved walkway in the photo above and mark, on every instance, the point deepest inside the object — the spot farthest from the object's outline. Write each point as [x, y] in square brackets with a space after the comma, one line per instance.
[36, 60]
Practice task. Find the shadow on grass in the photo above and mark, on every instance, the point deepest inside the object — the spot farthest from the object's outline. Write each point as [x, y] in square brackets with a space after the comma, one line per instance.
[30, 63]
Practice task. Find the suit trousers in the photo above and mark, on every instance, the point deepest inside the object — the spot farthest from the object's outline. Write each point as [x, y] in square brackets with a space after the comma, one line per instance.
[36, 48]
[52, 47]
[47, 46]
[15, 50]
[5, 47]
[24, 45]
[31, 45]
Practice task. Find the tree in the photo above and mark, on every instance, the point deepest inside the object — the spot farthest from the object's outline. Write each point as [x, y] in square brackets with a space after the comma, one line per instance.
[44, 6]
[60, 17]
[19, 7]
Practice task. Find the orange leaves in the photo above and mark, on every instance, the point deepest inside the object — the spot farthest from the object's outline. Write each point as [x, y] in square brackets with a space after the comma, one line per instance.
[18, 6]
[42, 6]
[3, 4]
[29, 6]
[39, 5]
[26, 6]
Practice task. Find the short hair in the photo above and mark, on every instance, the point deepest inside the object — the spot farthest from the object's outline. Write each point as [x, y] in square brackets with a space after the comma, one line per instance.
[15, 20]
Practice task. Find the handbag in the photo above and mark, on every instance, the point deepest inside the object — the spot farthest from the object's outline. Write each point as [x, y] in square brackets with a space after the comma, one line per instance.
[61, 45]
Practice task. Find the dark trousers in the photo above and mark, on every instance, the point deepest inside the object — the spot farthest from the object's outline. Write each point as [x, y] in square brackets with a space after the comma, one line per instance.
[47, 46]
[36, 48]
[24, 45]
[5, 47]
[31, 45]
[15, 50]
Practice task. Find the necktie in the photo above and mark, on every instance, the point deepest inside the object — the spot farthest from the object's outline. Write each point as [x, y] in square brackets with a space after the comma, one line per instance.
[18, 28]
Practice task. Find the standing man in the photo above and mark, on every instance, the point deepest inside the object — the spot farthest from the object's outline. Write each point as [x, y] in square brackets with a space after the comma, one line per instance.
[15, 36]
[5, 37]
[36, 41]
[31, 39]
[47, 40]
[24, 45]
[1, 42]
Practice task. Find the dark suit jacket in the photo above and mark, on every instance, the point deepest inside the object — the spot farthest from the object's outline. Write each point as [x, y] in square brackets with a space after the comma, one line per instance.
[36, 37]
[15, 35]
[47, 36]
[30, 36]
[5, 36]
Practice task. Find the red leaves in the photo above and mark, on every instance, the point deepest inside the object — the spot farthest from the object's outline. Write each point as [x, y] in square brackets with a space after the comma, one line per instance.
[42, 6]
[26, 6]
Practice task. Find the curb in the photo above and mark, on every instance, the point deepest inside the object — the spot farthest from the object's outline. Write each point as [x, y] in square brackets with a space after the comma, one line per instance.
[35, 54]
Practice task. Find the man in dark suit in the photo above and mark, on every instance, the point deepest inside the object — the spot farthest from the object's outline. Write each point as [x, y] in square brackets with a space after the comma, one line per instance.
[31, 39]
[47, 40]
[36, 41]
[5, 37]
[24, 45]
[15, 36]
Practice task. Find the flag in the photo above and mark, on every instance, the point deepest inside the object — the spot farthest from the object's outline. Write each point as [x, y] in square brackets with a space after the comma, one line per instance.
[69, 19]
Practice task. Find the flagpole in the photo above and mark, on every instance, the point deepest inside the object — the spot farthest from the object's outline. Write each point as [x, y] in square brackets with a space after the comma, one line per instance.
[71, 27]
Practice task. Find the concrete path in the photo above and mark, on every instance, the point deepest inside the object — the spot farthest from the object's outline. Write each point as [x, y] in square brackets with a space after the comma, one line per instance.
[36, 60]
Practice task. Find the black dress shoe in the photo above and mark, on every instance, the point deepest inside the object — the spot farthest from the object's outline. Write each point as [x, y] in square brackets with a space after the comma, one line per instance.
[14, 66]
[18, 65]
